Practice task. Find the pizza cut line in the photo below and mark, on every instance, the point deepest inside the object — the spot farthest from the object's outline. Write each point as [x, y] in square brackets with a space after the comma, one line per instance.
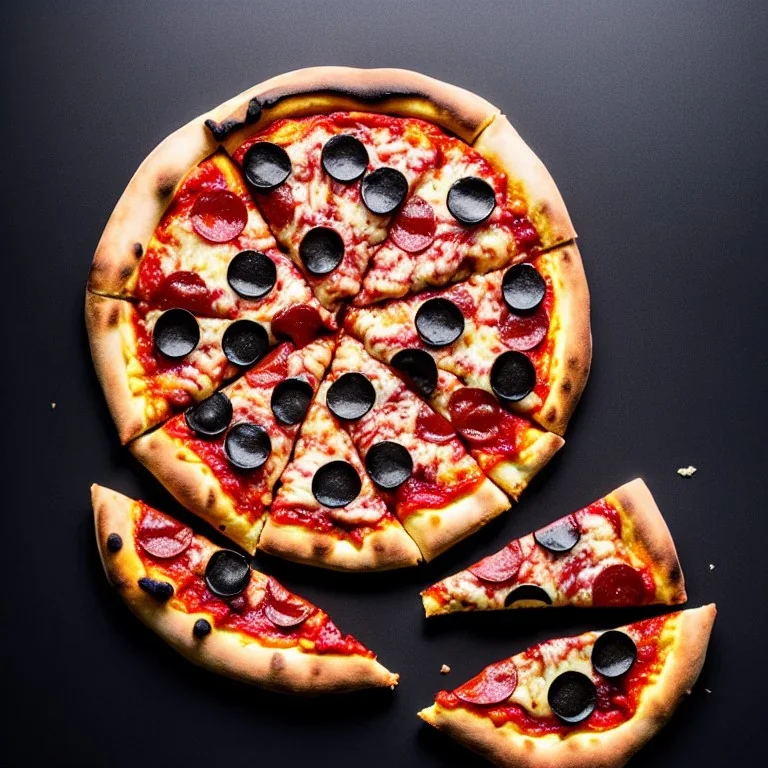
[594, 699]
[260, 244]
[616, 552]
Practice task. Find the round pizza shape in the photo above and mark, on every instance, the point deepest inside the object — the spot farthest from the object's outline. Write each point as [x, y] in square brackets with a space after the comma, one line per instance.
[342, 316]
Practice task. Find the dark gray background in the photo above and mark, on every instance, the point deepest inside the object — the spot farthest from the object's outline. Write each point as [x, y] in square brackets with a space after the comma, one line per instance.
[653, 119]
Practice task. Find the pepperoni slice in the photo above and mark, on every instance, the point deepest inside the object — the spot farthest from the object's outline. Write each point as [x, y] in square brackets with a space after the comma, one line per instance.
[496, 683]
[475, 415]
[300, 323]
[432, 427]
[525, 234]
[283, 608]
[618, 586]
[219, 216]
[162, 537]
[523, 332]
[500, 567]
[186, 290]
[414, 226]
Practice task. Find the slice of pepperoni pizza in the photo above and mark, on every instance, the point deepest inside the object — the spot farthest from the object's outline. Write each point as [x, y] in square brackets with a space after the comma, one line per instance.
[152, 363]
[615, 552]
[522, 333]
[508, 447]
[211, 254]
[436, 488]
[460, 220]
[327, 511]
[590, 700]
[222, 457]
[327, 185]
[216, 611]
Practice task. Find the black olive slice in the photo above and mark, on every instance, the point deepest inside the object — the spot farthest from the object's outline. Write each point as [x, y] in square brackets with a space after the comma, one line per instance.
[351, 396]
[266, 165]
[114, 542]
[244, 342]
[336, 484]
[252, 274]
[513, 376]
[227, 573]
[572, 696]
[210, 417]
[162, 591]
[420, 367]
[176, 333]
[321, 250]
[384, 190]
[290, 400]
[439, 322]
[614, 653]
[527, 592]
[523, 288]
[344, 158]
[471, 200]
[201, 628]
[247, 446]
[389, 464]
[560, 536]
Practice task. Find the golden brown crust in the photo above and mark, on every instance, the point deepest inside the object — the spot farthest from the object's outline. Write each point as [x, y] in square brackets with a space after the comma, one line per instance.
[382, 549]
[513, 476]
[193, 484]
[107, 322]
[501, 144]
[506, 746]
[651, 531]
[228, 653]
[572, 356]
[319, 90]
[435, 530]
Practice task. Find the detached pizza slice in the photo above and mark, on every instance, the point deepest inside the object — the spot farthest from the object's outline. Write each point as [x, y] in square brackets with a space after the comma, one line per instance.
[522, 334]
[328, 184]
[594, 699]
[436, 488]
[154, 363]
[222, 457]
[327, 511]
[616, 552]
[216, 611]
[508, 447]
[211, 254]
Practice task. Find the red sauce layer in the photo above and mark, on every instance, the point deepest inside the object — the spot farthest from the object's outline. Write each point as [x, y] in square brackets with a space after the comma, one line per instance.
[617, 700]
[418, 494]
[192, 595]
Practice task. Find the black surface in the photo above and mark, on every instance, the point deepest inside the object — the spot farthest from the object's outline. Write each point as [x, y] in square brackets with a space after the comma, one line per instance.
[652, 117]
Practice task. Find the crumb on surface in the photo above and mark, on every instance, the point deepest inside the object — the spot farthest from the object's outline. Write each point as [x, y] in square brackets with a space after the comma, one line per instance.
[688, 471]
[53, 406]
[707, 690]
[445, 669]
[711, 566]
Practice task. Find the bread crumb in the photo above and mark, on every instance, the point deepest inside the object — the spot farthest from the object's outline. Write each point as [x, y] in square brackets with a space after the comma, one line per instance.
[711, 566]
[707, 690]
[53, 406]
[445, 669]
[686, 471]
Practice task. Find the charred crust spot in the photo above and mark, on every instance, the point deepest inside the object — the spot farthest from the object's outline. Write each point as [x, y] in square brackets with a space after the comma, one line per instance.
[366, 94]
[566, 386]
[675, 574]
[573, 362]
[126, 272]
[566, 257]
[551, 414]
[165, 186]
[315, 670]
[320, 548]
[138, 250]
[221, 130]
[114, 316]
[211, 499]
[378, 546]
[277, 662]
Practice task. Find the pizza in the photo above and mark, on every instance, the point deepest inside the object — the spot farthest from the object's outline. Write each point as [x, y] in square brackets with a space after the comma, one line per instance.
[214, 609]
[615, 552]
[336, 225]
[593, 699]
[222, 457]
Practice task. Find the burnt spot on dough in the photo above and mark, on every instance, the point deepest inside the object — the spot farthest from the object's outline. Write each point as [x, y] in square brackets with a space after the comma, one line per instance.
[220, 130]
[315, 670]
[277, 662]
[378, 546]
[210, 499]
[566, 386]
[126, 272]
[114, 316]
[550, 415]
[367, 94]
[166, 183]
[138, 250]
[320, 548]
[573, 362]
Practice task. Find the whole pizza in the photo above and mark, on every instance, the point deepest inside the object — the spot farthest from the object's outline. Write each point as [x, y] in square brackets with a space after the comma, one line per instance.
[343, 319]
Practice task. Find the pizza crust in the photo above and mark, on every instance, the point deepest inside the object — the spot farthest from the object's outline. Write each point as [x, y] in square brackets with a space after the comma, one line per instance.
[572, 355]
[435, 530]
[513, 476]
[105, 320]
[228, 653]
[506, 746]
[382, 549]
[652, 532]
[194, 486]
[500, 143]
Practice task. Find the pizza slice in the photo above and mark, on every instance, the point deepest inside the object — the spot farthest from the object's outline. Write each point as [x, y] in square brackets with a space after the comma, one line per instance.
[222, 457]
[211, 254]
[327, 511]
[328, 184]
[460, 220]
[615, 552]
[507, 447]
[594, 699]
[216, 611]
[522, 334]
[436, 488]
[153, 363]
